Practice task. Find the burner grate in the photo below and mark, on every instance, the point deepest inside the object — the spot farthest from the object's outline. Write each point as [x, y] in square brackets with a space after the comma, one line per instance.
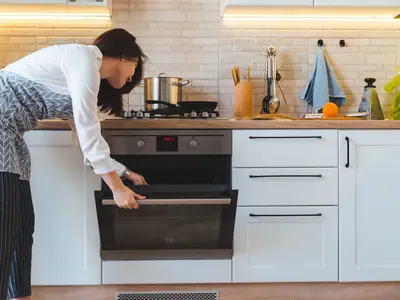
[173, 114]
[187, 295]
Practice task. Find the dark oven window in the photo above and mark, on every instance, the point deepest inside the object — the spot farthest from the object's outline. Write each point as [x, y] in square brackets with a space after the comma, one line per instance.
[180, 169]
[168, 227]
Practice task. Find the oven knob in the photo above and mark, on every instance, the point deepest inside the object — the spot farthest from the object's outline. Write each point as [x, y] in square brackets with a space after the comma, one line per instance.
[140, 144]
[140, 114]
[193, 144]
[205, 114]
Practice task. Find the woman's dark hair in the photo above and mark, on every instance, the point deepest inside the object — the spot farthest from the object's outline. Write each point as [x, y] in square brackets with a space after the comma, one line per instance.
[118, 43]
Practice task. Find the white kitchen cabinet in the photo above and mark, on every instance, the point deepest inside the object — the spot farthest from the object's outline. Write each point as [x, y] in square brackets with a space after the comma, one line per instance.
[106, 3]
[286, 244]
[360, 3]
[33, 1]
[284, 148]
[269, 2]
[369, 205]
[90, 2]
[66, 248]
[286, 186]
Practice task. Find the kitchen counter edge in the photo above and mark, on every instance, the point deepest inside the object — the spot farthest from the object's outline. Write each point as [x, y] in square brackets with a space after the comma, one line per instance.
[228, 124]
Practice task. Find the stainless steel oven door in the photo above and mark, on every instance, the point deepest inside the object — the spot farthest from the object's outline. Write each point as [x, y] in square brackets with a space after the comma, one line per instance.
[174, 222]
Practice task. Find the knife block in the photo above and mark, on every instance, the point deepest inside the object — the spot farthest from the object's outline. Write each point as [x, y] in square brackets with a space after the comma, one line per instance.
[243, 100]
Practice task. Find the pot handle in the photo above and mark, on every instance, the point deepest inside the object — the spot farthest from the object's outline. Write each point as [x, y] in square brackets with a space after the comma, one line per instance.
[182, 82]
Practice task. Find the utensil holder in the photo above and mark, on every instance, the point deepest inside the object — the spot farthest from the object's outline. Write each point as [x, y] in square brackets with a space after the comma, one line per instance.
[243, 100]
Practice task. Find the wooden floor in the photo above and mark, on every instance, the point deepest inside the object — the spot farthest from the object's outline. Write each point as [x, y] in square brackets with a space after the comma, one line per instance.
[317, 291]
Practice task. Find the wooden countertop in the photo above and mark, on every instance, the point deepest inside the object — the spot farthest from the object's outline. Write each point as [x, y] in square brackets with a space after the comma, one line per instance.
[228, 124]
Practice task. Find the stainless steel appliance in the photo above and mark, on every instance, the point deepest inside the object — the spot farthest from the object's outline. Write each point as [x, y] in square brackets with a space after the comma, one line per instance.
[190, 208]
[192, 110]
[162, 88]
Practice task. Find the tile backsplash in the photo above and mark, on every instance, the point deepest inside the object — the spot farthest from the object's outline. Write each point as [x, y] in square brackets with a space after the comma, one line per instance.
[187, 38]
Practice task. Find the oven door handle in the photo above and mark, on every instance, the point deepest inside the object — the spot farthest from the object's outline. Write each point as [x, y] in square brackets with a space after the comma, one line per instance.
[199, 201]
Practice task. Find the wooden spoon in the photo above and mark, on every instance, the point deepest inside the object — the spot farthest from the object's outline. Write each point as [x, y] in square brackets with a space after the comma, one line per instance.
[234, 76]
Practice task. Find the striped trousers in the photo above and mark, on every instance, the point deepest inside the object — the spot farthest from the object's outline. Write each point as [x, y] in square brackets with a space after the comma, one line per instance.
[16, 236]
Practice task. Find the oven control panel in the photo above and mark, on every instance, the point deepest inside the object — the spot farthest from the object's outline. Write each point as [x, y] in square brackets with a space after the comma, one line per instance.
[167, 143]
[182, 142]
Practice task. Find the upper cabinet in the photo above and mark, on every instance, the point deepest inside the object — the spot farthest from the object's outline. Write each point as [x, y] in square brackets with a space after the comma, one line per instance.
[269, 2]
[358, 3]
[33, 1]
[69, 2]
[248, 8]
[238, 9]
[94, 8]
[90, 2]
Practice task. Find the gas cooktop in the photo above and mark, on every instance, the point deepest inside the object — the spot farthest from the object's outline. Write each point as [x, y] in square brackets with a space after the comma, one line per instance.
[173, 114]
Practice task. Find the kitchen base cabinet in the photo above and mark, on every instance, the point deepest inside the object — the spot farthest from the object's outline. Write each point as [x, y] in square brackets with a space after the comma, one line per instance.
[284, 148]
[369, 202]
[286, 186]
[286, 244]
[66, 243]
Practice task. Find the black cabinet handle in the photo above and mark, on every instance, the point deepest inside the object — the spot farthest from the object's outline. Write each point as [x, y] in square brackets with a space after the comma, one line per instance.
[348, 152]
[286, 215]
[285, 137]
[286, 176]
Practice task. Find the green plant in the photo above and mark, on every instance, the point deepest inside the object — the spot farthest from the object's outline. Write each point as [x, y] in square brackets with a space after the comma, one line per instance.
[394, 113]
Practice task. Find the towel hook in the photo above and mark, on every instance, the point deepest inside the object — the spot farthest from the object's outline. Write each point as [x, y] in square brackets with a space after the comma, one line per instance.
[320, 43]
[342, 43]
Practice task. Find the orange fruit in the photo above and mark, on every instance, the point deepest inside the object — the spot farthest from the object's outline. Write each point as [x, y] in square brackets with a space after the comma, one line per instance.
[330, 110]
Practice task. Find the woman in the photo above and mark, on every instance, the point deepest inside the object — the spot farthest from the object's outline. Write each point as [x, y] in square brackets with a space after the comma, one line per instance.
[59, 81]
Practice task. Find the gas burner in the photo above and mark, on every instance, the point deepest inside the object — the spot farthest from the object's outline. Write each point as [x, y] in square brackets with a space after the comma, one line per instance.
[166, 113]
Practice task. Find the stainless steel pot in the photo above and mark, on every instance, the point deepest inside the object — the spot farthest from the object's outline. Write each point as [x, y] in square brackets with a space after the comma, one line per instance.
[163, 89]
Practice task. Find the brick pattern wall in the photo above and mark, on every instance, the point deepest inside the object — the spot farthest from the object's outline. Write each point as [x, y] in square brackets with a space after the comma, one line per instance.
[187, 38]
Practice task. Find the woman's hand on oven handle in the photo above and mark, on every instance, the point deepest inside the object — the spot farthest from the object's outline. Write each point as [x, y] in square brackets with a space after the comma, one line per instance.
[123, 196]
[126, 198]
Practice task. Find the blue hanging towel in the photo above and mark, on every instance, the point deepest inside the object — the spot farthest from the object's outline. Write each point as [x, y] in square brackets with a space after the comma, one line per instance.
[323, 86]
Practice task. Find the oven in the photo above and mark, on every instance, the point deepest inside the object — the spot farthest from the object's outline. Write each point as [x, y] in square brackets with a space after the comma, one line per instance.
[190, 208]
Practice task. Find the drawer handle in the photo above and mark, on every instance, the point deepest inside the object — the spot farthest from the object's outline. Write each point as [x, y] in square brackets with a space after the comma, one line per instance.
[286, 137]
[348, 152]
[286, 176]
[289, 215]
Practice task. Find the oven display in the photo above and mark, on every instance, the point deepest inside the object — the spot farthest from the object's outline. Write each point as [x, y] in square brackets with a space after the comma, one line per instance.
[167, 143]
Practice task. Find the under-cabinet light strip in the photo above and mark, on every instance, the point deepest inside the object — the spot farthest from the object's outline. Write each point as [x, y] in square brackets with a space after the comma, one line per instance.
[276, 18]
[54, 16]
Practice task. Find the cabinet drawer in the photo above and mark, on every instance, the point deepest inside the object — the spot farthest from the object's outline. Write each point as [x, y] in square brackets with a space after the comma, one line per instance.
[286, 244]
[167, 271]
[286, 186]
[285, 148]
